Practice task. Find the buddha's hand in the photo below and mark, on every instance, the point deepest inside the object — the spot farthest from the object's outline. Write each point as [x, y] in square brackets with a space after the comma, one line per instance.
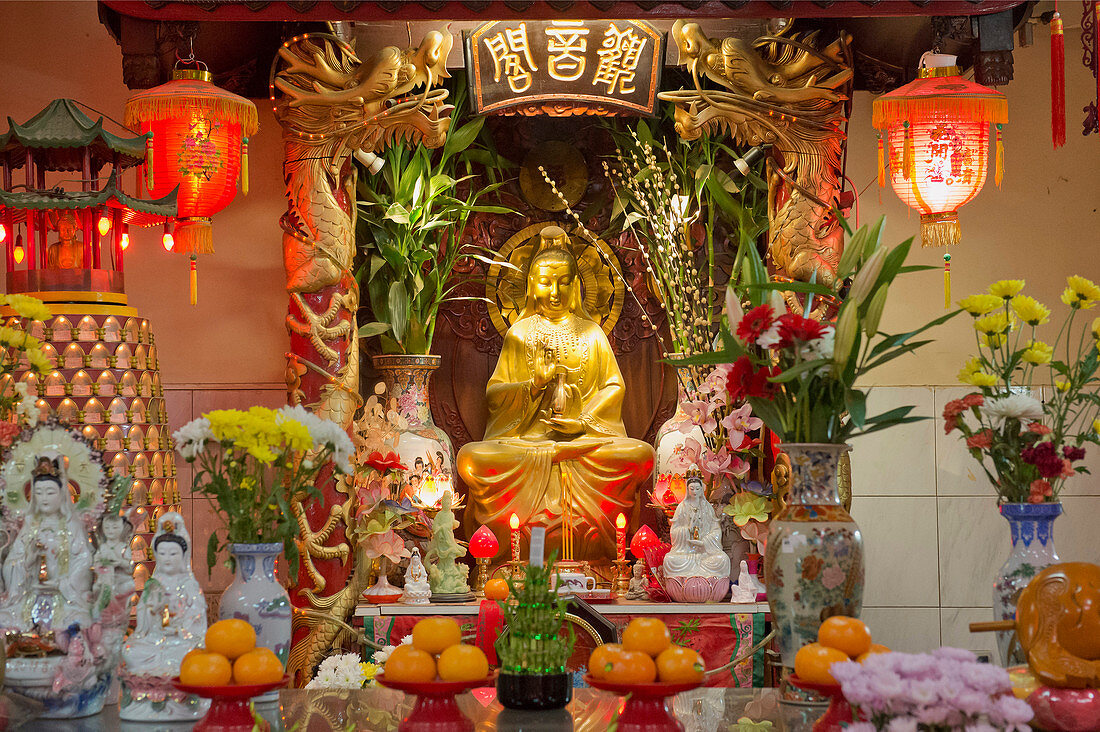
[565, 425]
[542, 371]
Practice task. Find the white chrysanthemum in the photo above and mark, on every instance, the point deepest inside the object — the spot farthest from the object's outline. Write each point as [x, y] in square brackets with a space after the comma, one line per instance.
[821, 347]
[191, 438]
[28, 404]
[343, 671]
[383, 655]
[324, 432]
[1013, 406]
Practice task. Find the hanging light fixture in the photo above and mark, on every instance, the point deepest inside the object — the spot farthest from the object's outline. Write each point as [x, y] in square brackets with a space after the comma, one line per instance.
[936, 147]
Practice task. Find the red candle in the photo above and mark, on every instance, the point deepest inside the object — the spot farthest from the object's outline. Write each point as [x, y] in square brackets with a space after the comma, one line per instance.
[620, 537]
[513, 522]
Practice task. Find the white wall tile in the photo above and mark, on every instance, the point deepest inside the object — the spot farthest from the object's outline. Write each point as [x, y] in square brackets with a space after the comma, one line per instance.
[909, 629]
[896, 461]
[957, 474]
[955, 629]
[899, 538]
[974, 542]
[1075, 531]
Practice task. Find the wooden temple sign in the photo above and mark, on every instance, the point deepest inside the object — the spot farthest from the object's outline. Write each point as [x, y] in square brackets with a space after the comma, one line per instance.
[563, 67]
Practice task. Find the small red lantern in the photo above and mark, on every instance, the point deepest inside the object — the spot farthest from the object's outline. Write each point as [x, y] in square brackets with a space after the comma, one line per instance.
[199, 143]
[484, 544]
[642, 539]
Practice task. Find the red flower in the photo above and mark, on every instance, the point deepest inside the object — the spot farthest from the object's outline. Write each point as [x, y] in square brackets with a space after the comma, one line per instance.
[755, 322]
[793, 327]
[1040, 489]
[1073, 453]
[981, 441]
[973, 400]
[950, 422]
[743, 382]
[8, 433]
[1039, 428]
[383, 463]
[1045, 458]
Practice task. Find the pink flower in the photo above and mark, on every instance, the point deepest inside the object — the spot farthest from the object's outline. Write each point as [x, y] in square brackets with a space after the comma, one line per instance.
[973, 400]
[1040, 489]
[716, 463]
[387, 545]
[832, 577]
[687, 456]
[740, 421]
[981, 441]
[698, 414]
[8, 433]
[1039, 428]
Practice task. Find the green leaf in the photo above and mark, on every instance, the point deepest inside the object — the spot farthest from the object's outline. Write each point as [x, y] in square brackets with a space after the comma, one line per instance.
[463, 137]
[211, 553]
[793, 287]
[399, 310]
[373, 329]
[796, 371]
[766, 410]
[855, 402]
[397, 213]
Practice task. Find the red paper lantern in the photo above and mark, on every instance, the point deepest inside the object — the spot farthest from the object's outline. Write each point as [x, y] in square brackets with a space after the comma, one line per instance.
[199, 143]
[484, 544]
[937, 130]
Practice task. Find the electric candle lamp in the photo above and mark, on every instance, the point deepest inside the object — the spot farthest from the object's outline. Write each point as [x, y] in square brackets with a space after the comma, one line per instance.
[124, 241]
[3, 233]
[104, 225]
[620, 537]
[513, 524]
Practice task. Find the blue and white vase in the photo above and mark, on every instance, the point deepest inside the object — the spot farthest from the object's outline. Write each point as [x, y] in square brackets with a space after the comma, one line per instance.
[1032, 526]
[256, 596]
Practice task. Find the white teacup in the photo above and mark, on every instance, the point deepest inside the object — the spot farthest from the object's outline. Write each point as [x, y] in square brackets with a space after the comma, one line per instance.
[572, 582]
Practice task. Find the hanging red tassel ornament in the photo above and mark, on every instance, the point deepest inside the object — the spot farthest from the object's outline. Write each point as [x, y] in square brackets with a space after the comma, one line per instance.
[908, 162]
[149, 161]
[999, 166]
[1057, 82]
[194, 281]
[946, 281]
[881, 164]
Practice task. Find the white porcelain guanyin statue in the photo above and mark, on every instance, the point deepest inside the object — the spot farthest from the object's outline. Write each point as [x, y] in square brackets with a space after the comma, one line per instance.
[48, 569]
[171, 621]
[114, 554]
[417, 589]
[696, 568]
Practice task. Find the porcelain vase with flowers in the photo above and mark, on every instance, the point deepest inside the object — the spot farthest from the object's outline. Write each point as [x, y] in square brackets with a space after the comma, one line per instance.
[798, 370]
[1028, 448]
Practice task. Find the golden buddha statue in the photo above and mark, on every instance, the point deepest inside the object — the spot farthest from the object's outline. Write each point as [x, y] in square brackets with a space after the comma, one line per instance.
[555, 450]
[66, 252]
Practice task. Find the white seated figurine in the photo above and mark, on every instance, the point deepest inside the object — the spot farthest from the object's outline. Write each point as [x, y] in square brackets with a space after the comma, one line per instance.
[636, 590]
[744, 590]
[171, 620]
[748, 581]
[697, 568]
[113, 554]
[417, 589]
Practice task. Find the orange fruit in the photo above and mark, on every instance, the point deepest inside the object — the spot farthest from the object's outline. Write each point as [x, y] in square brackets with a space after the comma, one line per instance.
[231, 638]
[813, 660]
[258, 666]
[463, 663]
[203, 668]
[601, 657]
[875, 648]
[434, 635]
[631, 667]
[679, 665]
[648, 635]
[496, 589]
[412, 665]
[845, 634]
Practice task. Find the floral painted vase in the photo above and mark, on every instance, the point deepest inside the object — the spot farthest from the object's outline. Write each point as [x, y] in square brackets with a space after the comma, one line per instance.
[813, 568]
[669, 474]
[422, 446]
[256, 596]
[1032, 527]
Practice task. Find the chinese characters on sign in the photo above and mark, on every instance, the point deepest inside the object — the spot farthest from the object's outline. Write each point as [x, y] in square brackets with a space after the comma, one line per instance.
[590, 63]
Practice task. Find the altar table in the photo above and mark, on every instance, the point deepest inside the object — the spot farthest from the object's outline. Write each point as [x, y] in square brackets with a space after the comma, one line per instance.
[704, 627]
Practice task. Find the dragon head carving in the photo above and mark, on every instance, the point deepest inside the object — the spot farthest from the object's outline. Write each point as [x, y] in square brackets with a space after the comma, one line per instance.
[327, 91]
[783, 91]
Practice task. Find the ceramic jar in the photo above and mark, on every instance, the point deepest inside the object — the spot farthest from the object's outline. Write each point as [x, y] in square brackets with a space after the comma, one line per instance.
[1032, 528]
[257, 597]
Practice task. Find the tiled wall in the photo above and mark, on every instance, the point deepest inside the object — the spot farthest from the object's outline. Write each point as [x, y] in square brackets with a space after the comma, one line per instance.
[932, 533]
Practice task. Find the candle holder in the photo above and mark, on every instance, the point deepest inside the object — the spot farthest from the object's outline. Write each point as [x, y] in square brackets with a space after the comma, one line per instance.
[516, 569]
[482, 575]
[622, 576]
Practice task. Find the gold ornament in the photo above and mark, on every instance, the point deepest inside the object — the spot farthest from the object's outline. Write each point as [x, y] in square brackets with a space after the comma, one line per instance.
[565, 165]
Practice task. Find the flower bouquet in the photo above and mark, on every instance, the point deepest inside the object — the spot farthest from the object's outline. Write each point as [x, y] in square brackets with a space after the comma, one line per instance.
[20, 350]
[938, 692]
[1029, 448]
[253, 464]
[344, 671]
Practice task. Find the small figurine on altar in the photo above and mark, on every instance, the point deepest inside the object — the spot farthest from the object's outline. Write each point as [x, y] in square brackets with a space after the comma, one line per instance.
[66, 252]
[114, 554]
[171, 621]
[636, 589]
[747, 587]
[696, 569]
[417, 589]
[445, 575]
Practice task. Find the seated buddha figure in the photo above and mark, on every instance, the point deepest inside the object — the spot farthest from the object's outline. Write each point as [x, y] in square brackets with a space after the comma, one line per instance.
[555, 447]
[66, 252]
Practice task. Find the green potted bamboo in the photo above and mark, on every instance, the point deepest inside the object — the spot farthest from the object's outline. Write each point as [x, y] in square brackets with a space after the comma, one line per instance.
[536, 645]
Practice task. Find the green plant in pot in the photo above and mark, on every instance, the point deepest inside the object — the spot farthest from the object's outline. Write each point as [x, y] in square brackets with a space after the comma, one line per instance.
[537, 644]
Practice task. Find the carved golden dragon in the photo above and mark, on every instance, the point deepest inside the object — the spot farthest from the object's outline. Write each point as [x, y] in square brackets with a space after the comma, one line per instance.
[333, 106]
[783, 91]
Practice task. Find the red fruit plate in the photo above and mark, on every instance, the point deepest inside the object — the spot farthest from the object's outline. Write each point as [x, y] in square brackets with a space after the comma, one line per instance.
[435, 709]
[839, 713]
[229, 710]
[646, 707]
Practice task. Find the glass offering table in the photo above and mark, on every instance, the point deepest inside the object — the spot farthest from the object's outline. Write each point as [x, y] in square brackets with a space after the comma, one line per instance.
[381, 710]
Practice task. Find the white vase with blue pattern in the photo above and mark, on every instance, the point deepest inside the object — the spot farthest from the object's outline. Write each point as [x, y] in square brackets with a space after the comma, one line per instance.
[1032, 527]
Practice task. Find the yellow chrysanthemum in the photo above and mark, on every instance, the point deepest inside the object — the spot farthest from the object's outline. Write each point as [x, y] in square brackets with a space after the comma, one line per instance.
[980, 304]
[1096, 425]
[26, 306]
[1085, 289]
[1006, 288]
[1030, 310]
[42, 363]
[1038, 352]
[1061, 384]
[295, 435]
[993, 323]
[1096, 328]
[996, 340]
[978, 378]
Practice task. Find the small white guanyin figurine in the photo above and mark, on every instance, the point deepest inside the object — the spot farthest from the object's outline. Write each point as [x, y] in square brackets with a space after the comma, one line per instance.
[417, 589]
[114, 554]
[696, 537]
[171, 621]
[744, 590]
[636, 590]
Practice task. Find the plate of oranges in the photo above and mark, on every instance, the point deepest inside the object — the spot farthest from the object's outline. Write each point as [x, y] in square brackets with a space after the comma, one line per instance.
[646, 663]
[437, 662]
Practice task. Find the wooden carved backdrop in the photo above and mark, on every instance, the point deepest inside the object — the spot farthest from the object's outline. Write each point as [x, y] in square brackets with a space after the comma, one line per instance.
[469, 342]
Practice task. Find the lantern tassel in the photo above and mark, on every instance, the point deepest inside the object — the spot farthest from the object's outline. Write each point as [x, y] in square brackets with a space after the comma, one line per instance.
[194, 236]
[940, 229]
[881, 164]
[149, 162]
[194, 281]
[908, 160]
[1000, 163]
[1057, 82]
[946, 281]
[244, 166]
